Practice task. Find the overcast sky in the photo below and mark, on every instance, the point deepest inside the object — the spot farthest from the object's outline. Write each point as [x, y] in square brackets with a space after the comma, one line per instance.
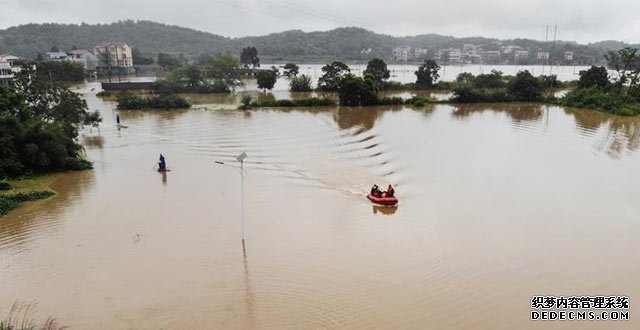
[580, 20]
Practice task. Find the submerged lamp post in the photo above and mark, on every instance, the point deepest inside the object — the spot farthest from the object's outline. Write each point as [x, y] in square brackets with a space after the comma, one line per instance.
[241, 159]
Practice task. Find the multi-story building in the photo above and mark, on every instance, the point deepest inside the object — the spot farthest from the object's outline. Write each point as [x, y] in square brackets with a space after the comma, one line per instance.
[401, 54]
[543, 56]
[568, 56]
[455, 55]
[114, 57]
[6, 73]
[420, 53]
[521, 54]
[510, 49]
[8, 68]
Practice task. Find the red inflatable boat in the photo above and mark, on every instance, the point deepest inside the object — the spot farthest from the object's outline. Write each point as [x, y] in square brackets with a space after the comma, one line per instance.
[383, 200]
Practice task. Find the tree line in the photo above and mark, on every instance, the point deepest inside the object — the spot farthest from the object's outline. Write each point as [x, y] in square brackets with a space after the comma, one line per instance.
[344, 43]
[39, 122]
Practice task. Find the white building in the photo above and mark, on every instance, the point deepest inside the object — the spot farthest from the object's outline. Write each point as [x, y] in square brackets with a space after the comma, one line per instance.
[543, 56]
[510, 49]
[420, 53]
[568, 56]
[455, 55]
[401, 54]
[8, 68]
[6, 73]
[521, 54]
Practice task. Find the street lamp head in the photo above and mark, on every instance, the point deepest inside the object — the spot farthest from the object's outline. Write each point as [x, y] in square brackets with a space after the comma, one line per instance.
[241, 157]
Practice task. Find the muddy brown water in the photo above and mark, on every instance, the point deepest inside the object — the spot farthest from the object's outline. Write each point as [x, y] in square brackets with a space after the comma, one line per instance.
[498, 203]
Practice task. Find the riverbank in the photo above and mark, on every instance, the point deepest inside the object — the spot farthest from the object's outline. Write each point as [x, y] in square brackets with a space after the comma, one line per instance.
[26, 190]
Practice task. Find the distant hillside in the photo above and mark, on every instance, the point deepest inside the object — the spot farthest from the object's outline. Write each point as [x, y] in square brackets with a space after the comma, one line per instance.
[347, 44]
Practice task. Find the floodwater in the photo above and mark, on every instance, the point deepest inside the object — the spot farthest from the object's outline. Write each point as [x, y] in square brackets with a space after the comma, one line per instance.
[498, 203]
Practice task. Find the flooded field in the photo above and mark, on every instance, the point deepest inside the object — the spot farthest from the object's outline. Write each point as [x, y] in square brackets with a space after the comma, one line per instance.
[497, 203]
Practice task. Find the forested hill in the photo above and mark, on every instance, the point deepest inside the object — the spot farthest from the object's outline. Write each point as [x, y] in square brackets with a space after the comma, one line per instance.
[348, 44]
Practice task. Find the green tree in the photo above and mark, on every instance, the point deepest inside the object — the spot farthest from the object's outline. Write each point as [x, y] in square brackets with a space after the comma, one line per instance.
[267, 79]
[465, 77]
[495, 79]
[427, 74]
[524, 87]
[626, 62]
[291, 70]
[249, 57]
[224, 70]
[170, 62]
[193, 75]
[596, 76]
[377, 68]
[139, 59]
[63, 71]
[357, 91]
[38, 125]
[332, 77]
[300, 83]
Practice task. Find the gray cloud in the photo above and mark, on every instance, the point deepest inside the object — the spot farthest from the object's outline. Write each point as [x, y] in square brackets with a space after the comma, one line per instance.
[580, 20]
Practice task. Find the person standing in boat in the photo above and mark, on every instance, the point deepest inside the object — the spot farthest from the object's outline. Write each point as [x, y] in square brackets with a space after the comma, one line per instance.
[162, 165]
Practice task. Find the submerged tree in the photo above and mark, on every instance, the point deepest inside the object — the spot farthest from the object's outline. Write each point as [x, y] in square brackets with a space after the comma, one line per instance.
[427, 74]
[626, 62]
[333, 75]
[596, 76]
[249, 57]
[525, 87]
[357, 91]
[267, 79]
[291, 70]
[300, 83]
[224, 70]
[377, 68]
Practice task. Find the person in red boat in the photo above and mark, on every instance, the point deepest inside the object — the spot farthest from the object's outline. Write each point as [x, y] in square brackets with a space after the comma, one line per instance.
[375, 191]
[390, 191]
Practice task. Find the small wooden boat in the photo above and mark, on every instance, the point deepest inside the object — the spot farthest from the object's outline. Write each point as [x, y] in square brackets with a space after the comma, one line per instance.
[383, 200]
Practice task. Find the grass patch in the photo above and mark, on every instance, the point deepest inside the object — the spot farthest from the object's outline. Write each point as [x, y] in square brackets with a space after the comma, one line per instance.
[26, 190]
[20, 317]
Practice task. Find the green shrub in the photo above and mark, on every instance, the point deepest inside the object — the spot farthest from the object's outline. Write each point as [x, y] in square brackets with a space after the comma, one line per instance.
[391, 101]
[300, 83]
[78, 164]
[307, 102]
[129, 101]
[525, 87]
[104, 94]
[466, 93]
[10, 202]
[4, 185]
[417, 101]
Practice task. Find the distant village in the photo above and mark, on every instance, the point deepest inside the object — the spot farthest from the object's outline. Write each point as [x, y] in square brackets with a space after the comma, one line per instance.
[105, 58]
[474, 54]
[116, 57]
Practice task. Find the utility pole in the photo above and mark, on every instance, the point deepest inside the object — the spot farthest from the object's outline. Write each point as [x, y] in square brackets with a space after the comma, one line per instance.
[555, 35]
[241, 159]
[546, 41]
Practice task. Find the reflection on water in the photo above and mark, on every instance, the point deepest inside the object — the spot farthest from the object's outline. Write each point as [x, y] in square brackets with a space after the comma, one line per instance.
[385, 210]
[623, 133]
[516, 111]
[498, 203]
